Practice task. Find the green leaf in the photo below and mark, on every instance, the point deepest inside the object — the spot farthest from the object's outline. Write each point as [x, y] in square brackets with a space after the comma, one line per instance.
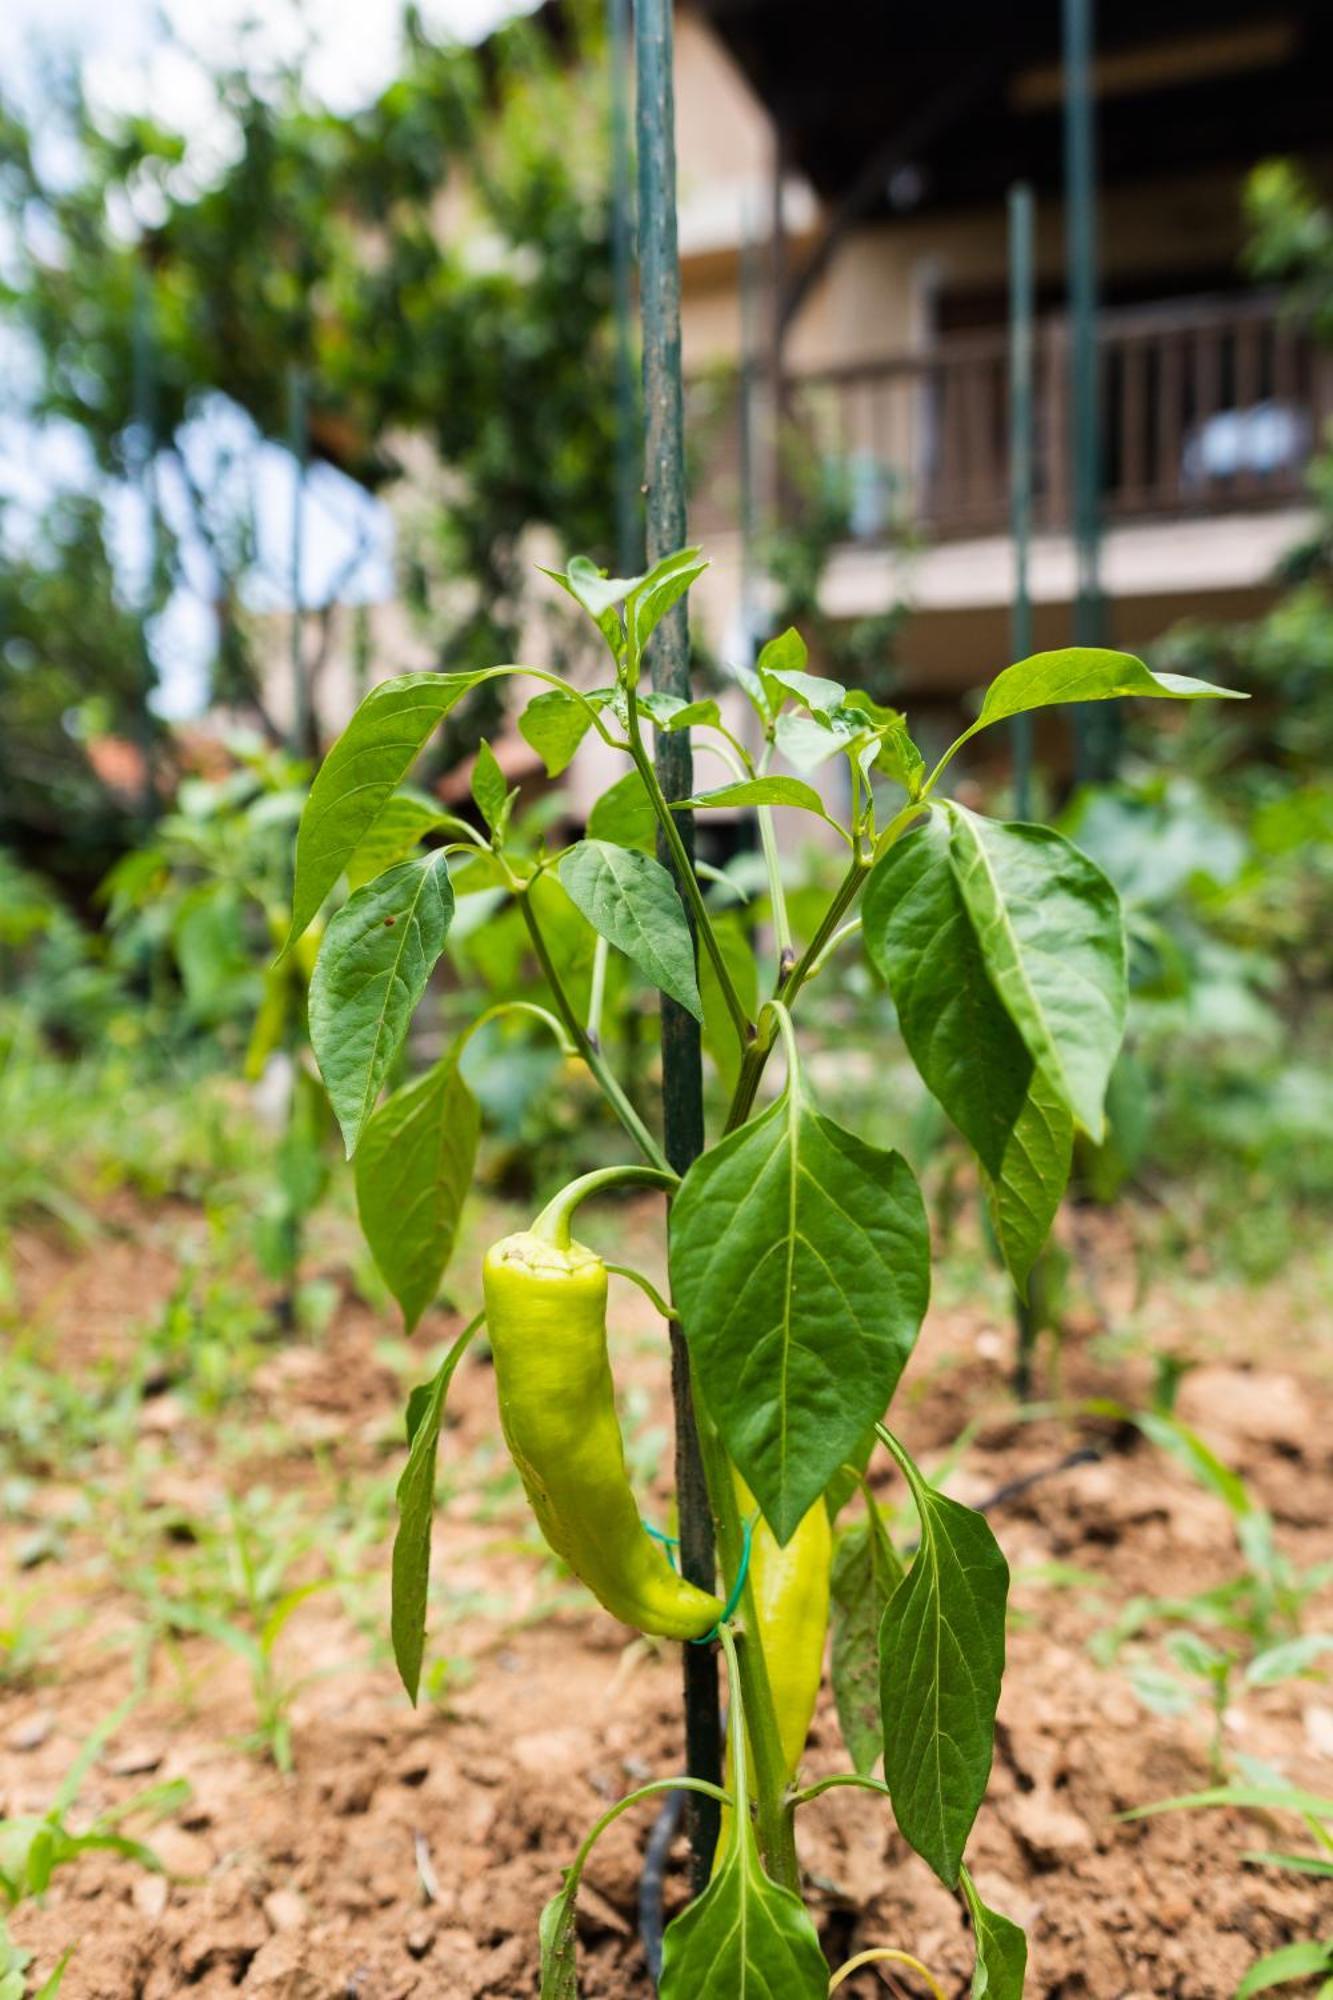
[630, 900]
[557, 1943]
[1034, 1172]
[866, 1572]
[373, 965]
[651, 599]
[360, 775]
[416, 1514]
[591, 587]
[1258, 1798]
[1052, 937]
[762, 792]
[785, 653]
[1280, 1968]
[808, 741]
[413, 1171]
[488, 787]
[744, 1937]
[800, 1264]
[624, 815]
[941, 1651]
[671, 711]
[555, 723]
[821, 696]
[919, 935]
[1084, 673]
[402, 824]
[719, 1036]
[1002, 1949]
[1290, 1657]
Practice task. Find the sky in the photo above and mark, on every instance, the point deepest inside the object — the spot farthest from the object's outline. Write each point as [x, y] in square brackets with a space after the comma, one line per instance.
[136, 54]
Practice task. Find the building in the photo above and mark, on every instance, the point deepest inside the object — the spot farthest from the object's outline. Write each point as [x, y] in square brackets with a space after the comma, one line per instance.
[843, 182]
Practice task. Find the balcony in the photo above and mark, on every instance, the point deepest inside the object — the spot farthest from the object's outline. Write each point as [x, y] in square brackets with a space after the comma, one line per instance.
[1208, 407]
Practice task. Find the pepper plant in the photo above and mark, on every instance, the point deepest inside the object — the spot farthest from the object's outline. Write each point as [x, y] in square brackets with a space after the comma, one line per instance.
[799, 1255]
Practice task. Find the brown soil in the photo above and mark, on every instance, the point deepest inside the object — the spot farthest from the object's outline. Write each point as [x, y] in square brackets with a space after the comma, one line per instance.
[410, 1853]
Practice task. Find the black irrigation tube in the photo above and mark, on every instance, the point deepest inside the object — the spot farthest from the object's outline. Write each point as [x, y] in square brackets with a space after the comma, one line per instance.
[652, 1882]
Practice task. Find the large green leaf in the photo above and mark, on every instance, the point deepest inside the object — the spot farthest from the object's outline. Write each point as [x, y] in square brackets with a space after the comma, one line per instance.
[1002, 1949]
[413, 1171]
[1034, 1172]
[745, 1937]
[800, 1264]
[1084, 673]
[1052, 937]
[941, 1649]
[359, 776]
[630, 900]
[866, 1572]
[373, 965]
[919, 935]
[416, 1513]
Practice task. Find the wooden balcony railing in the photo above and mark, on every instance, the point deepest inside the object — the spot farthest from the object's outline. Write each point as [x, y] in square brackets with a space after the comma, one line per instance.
[1207, 406]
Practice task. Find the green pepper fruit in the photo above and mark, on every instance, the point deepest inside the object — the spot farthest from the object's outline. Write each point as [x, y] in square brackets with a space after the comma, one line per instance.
[546, 1318]
[791, 1600]
[791, 1605]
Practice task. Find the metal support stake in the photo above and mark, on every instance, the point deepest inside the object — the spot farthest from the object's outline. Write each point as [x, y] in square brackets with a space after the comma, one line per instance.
[1021, 287]
[629, 524]
[682, 1070]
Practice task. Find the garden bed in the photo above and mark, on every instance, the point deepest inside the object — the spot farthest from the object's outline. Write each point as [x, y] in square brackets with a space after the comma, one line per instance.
[410, 1853]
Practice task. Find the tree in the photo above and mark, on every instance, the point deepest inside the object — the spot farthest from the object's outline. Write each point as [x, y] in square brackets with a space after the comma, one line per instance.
[435, 266]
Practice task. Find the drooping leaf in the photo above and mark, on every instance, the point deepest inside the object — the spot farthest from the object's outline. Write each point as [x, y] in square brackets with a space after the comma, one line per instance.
[941, 1649]
[410, 1575]
[673, 712]
[359, 776]
[800, 1266]
[373, 965]
[624, 814]
[820, 696]
[1001, 1947]
[763, 792]
[488, 786]
[630, 900]
[555, 723]
[919, 935]
[413, 1171]
[745, 1937]
[1084, 673]
[866, 1572]
[1052, 937]
[1026, 1193]
[403, 822]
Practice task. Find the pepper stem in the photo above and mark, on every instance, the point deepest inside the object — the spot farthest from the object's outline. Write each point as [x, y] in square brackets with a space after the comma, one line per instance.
[552, 1225]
